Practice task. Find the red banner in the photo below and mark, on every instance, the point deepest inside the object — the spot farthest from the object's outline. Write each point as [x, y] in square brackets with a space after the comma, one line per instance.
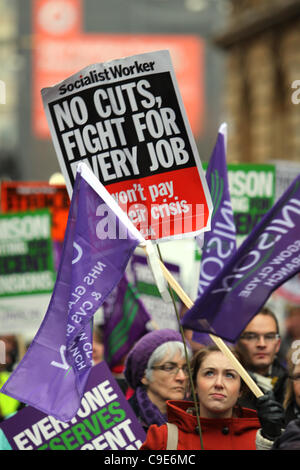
[61, 48]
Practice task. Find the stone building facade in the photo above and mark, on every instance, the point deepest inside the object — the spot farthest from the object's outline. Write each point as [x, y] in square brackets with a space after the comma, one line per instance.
[262, 41]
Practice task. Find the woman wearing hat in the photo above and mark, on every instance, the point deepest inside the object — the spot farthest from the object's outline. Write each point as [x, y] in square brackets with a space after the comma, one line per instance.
[156, 370]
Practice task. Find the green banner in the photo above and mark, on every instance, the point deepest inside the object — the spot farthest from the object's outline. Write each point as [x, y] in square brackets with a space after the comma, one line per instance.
[26, 253]
[253, 192]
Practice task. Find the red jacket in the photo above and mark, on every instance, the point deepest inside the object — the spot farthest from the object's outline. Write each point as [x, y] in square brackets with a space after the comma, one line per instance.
[217, 434]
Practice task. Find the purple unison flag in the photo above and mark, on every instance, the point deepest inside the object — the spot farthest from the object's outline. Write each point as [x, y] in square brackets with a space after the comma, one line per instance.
[97, 246]
[220, 242]
[126, 324]
[268, 257]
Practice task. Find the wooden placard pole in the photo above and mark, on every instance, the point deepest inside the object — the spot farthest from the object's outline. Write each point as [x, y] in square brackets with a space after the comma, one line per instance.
[218, 341]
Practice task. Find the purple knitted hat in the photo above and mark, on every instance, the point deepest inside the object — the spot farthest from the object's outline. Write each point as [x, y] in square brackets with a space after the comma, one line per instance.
[137, 359]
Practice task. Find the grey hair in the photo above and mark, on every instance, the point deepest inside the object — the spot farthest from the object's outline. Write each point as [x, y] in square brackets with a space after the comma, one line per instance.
[169, 350]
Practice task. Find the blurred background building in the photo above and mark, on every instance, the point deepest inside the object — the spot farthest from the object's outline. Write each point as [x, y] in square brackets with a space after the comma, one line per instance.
[236, 60]
[262, 46]
[44, 41]
[11, 65]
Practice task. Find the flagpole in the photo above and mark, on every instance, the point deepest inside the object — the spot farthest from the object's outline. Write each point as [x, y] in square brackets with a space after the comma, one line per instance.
[186, 356]
[218, 341]
[95, 183]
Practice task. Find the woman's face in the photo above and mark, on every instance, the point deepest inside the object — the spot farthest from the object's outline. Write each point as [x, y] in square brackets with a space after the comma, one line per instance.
[218, 386]
[98, 350]
[168, 384]
[296, 384]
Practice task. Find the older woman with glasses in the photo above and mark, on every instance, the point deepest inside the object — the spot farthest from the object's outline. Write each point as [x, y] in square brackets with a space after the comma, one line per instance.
[157, 371]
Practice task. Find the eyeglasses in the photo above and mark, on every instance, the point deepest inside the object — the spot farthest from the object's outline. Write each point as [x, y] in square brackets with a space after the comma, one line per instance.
[172, 368]
[295, 378]
[254, 337]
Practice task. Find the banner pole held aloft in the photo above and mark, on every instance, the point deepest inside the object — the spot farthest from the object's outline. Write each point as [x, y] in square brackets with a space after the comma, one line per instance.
[218, 341]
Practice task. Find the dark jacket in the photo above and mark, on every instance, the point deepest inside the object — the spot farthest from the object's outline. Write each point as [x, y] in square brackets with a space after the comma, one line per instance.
[290, 438]
[292, 412]
[136, 409]
[145, 410]
[279, 377]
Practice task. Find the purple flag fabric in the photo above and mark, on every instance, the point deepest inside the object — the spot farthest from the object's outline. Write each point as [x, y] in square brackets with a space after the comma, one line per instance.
[220, 242]
[97, 246]
[268, 257]
[126, 325]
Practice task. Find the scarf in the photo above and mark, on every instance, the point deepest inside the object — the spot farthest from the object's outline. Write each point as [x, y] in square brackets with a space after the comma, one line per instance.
[149, 413]
[263, 382]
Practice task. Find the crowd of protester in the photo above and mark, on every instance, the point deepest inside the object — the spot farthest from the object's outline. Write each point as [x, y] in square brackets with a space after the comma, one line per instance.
[226, 414]
[189, 397]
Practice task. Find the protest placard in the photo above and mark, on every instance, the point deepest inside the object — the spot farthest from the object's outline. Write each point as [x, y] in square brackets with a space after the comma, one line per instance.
[162, 313]
[125, 324]
[252, 191]
[26, 254]
[23, 314]
[19, 196]
[125, 119]
[104, 421]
